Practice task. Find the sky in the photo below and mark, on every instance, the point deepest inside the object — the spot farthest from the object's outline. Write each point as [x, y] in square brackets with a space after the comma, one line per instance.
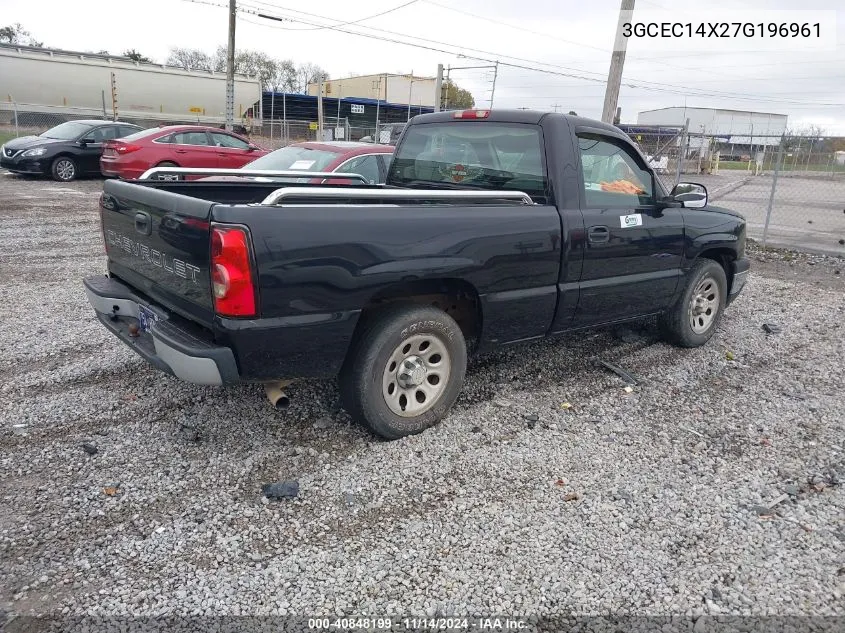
[553, 54]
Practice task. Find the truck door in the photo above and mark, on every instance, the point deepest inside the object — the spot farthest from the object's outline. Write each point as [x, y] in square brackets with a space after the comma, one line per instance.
[633, 249]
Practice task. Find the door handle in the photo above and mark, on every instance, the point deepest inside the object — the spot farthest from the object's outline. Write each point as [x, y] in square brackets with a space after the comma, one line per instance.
[181, 151]
[143, 223]
[598, 234]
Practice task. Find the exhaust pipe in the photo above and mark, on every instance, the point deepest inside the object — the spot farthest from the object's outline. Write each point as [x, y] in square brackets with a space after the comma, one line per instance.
[276, 393]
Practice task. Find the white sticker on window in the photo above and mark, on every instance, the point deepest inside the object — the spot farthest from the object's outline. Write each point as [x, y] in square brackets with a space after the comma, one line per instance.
[635, 219]
[302, 165]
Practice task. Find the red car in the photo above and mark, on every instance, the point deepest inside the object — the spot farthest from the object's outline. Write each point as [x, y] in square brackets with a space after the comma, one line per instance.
[366, 159]
[176, 146]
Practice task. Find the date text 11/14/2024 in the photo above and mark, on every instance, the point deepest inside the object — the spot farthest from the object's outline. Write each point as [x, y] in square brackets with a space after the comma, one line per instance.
[418, 624]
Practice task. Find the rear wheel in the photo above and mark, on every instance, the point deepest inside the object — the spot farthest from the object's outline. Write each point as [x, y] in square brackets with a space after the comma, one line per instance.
[168, 163]
[404, 370]
[63, 169]
[693, 319]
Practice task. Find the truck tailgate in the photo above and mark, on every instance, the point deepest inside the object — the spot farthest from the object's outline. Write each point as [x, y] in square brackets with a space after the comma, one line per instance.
[158, 242]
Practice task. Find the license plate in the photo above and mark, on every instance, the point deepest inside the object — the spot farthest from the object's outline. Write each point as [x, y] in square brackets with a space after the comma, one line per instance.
[146, 318]
[109, 152]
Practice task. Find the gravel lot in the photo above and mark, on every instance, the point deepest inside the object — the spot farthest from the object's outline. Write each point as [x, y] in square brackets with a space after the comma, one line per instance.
[674, 481]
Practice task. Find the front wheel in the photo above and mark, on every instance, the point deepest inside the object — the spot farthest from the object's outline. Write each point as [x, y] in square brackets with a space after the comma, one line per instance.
[692, 321]
[64, 169]
[404, 370]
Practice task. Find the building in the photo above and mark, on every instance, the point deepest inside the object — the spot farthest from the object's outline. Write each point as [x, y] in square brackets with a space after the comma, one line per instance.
[726, 127]
[384, 87]
[51, 84]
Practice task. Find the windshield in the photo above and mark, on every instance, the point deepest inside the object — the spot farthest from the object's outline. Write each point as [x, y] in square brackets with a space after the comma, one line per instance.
[471, 155]
[295, 158]
[67, 131]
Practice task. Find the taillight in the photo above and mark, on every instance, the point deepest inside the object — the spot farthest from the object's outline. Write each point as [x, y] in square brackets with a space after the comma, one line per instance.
[471, 114]
[125, 148]
[231, 274]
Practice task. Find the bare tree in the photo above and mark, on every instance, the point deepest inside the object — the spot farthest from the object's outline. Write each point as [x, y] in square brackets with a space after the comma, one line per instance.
[190, 59]
[308, 73]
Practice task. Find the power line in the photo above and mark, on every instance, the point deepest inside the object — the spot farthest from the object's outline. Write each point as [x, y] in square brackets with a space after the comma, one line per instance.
[358, 21]
[639, 85]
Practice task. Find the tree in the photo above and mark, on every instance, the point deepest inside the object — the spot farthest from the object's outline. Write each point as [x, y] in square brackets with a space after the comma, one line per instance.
[573, 113]
[456, 97]
[308, 73]
[190, 59]
[16, 34]
[136, 56]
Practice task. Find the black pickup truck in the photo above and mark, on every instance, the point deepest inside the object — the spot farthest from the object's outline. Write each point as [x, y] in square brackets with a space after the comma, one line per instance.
[494, 227]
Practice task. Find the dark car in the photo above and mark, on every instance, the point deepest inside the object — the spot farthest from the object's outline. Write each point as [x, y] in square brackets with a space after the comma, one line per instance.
[64, 152]
[493, 228]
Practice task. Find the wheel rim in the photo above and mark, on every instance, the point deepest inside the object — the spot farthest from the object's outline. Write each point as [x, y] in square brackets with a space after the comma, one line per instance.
[416, 375]
[65, 169]
[704, 305]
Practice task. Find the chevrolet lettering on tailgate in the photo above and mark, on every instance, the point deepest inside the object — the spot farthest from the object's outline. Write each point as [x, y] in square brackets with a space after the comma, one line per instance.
[155, 257]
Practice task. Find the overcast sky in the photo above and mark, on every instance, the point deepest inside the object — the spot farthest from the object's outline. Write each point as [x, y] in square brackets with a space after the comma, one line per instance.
[572, 37]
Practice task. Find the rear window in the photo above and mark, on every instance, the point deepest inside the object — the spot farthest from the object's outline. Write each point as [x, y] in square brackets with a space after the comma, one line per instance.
[472, 155]
[141, 134]
[294, 158]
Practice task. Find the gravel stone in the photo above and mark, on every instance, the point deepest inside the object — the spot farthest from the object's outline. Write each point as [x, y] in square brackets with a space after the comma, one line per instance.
[445, 521]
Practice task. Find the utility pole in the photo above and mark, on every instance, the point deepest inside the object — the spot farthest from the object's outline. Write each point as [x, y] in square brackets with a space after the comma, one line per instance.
[438, 88]
[114, 97]
[493, 90]
[410, 93]
[446, 98]
[617, 61]
[320, 107]
[230, 69]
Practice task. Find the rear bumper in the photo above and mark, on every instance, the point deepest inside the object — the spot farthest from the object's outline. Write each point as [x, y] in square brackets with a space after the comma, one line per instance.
[172, 344]
[738, 278]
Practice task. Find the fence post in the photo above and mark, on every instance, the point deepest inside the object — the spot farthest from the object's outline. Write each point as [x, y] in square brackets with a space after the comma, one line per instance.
[772, 194]
[285, 117]
[272, 110]
[15, 108]
[682, 153]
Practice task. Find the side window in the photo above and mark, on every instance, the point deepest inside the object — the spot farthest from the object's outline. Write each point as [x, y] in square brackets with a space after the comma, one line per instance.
[167, 140]
[126, 131]
[108, 133]
[190, 138]
[367, 166]
[225, 140]
[612, 177]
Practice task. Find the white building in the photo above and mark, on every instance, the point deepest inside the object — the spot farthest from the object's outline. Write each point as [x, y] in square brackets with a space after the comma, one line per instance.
[737, 127]
[402, 89]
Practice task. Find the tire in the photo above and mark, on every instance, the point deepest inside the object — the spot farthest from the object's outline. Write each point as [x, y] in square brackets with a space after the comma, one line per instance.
[168, 163]
[392, 403]
[64, 169]
[694, 317]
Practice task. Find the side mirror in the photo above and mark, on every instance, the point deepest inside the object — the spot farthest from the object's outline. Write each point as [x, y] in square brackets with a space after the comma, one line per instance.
[252, 148]
[87, 141]
[692, 194]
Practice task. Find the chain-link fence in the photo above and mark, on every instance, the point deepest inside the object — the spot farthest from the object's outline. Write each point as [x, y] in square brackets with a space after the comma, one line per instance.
[791, 189]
